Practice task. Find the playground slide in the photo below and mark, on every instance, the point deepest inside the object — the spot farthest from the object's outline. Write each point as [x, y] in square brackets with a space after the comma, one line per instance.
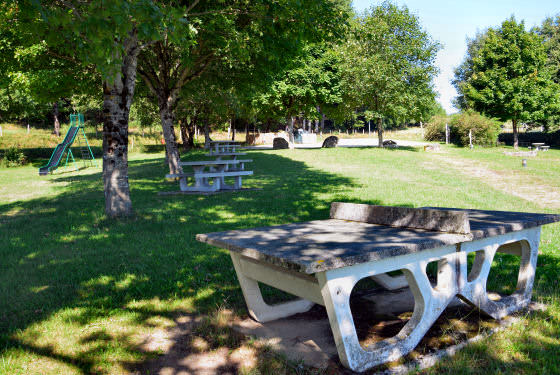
[58, 152]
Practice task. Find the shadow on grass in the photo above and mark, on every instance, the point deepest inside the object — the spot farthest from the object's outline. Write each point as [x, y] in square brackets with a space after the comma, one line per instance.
[62, 261]
[62, 255]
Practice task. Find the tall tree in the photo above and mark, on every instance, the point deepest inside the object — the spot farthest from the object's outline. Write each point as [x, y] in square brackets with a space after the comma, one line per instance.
[388, 65]
[230, 37]
[509, 78]
[550, 31]
[108, 35]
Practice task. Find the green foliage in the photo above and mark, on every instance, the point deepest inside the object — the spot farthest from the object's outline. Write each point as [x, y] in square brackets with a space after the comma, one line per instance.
[388, 64]
[484, 130]
[13, 157]
[435, 128]
[505, 76]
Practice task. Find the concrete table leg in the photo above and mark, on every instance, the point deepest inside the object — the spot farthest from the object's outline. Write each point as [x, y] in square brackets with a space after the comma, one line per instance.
[472, 286]
[336, 287]
[258, 308]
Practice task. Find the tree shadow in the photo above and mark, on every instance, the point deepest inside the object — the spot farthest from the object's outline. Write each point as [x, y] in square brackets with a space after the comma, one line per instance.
[63, 260]
[62, 255]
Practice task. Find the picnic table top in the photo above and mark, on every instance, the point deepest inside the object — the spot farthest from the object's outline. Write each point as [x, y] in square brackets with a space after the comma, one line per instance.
[213, 162]
[226, 142]
[322, 245]
[226, 153]
[538, 144]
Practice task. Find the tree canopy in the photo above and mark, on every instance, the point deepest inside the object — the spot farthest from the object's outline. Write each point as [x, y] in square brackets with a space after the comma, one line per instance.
[505, 75]
[388, 65]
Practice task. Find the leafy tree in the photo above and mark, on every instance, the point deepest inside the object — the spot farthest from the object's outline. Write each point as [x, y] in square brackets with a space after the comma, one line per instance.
[231, 37]
[550, 31]
[509, 79]
[466, 69]
[109, 35]
[388, 65]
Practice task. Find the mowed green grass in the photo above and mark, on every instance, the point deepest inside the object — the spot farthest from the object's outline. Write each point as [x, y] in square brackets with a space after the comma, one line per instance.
[79, 293]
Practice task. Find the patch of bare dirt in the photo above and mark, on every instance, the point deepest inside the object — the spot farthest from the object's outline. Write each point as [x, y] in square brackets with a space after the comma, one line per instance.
[537, 192]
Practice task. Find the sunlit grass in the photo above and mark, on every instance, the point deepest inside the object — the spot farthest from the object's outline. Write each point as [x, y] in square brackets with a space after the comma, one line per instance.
[79, 293]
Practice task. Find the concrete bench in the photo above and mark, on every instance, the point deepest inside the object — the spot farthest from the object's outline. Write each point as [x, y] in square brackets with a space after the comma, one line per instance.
[321, 261]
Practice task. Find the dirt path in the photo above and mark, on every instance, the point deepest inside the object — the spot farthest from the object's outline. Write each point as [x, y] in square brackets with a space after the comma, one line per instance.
[535, 191]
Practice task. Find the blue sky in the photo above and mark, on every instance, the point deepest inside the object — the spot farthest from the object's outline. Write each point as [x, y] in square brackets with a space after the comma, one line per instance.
[451, 22]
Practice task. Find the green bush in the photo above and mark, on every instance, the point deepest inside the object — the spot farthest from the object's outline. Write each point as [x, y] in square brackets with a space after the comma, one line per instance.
[435, 129]
[13, 157]
[484, 130]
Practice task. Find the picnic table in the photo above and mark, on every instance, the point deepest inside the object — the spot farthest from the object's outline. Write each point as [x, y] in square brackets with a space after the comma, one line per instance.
[539, 146]
[221, 147]
[321, 261]
[209, 175]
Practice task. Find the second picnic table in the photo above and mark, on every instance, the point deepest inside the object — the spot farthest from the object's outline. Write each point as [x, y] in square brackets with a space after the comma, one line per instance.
[209, 175]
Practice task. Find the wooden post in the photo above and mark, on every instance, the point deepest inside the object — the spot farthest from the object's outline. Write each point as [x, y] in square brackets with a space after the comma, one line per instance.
[132, 144]
[446, 134]
[27, 128]
[369, 127]
[470, 138]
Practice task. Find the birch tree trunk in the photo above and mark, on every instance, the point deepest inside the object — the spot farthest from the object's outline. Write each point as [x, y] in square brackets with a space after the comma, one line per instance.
[380, 131]
[172, 151]
[117, 98]
[56, 130]
[206, 133]
[291, 133]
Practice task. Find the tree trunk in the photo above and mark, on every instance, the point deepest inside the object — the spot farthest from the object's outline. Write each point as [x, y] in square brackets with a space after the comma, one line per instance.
[515, 135]
[117, 98]
[291, 133]
[56, 130]
[171, 149]
[185, 138]
[380, 131]
[206, 133]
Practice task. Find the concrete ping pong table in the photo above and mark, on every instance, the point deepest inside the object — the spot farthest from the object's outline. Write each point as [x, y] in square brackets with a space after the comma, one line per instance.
[321, 261]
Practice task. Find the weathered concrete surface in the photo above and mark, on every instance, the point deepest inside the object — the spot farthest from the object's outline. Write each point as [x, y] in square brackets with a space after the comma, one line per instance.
[404, 217]
[328, 244]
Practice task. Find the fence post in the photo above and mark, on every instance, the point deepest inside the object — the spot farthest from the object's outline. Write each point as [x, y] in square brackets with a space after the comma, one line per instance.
[446, 134]
[470, 138]
[27, 128]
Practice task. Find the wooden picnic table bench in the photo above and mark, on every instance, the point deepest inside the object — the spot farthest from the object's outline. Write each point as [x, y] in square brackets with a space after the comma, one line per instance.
[321, 261]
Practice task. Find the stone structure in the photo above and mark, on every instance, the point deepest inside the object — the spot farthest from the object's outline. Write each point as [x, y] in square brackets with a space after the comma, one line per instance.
[261, 138]
[433, 147]
[330, 142]
[280, 143]
[389, 143]
[321, 262]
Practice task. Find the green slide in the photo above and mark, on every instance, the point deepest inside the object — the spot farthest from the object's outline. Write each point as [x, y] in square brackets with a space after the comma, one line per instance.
[58, 152]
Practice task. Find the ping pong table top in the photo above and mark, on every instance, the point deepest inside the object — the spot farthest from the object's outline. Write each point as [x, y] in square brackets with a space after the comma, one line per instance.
[322, 245]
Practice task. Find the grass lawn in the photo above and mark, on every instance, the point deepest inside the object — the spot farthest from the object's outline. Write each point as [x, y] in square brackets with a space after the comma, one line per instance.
[79, 294]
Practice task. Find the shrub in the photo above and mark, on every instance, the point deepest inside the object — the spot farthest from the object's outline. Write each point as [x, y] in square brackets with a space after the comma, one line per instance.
[13, 157]
[484, 130]
[435, 129]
